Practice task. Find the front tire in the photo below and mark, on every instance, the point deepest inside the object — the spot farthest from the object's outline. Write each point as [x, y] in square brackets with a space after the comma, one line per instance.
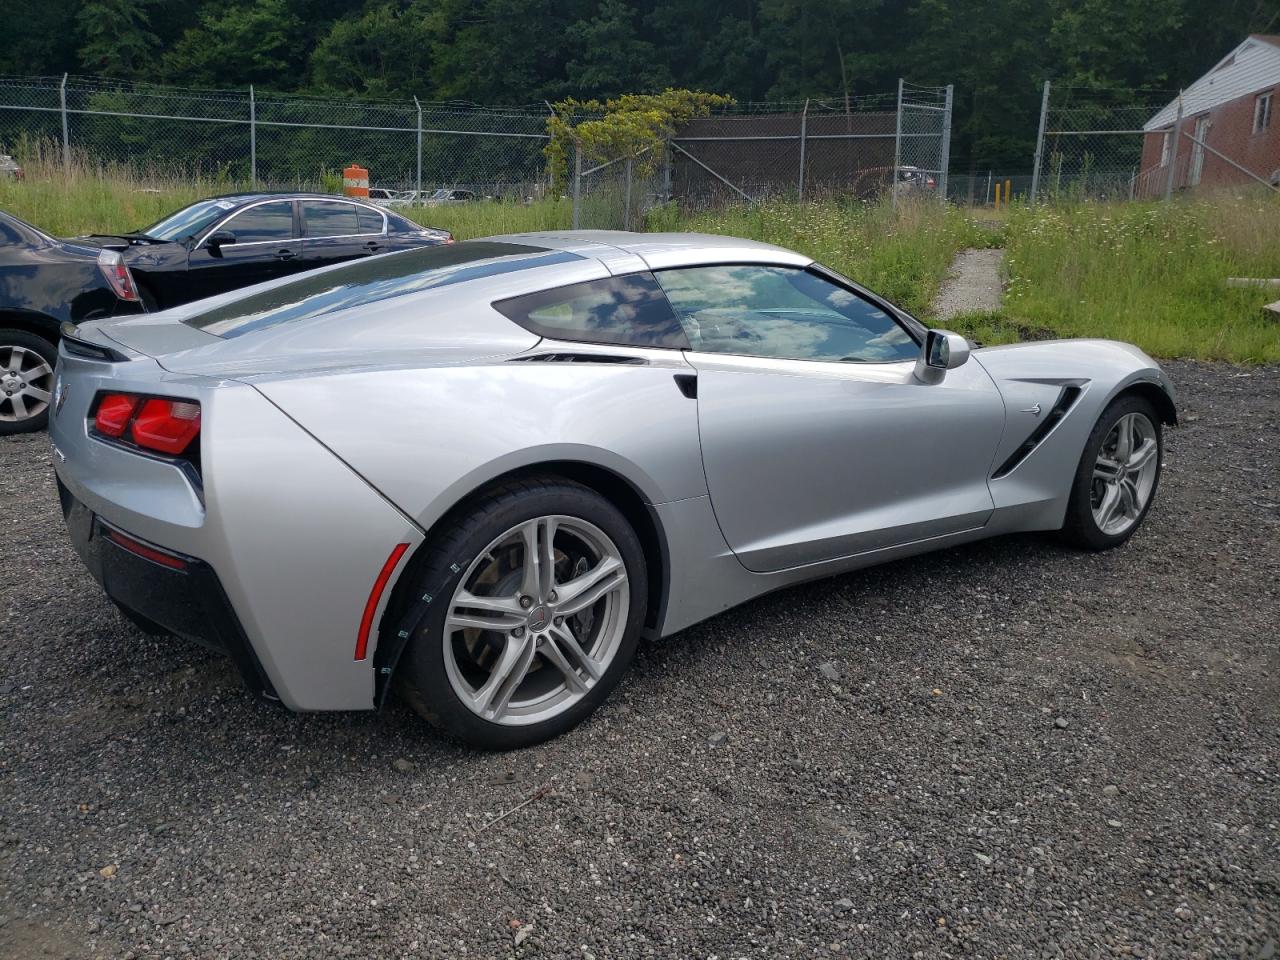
[26, 381]
[538, 595]
[1119, 472]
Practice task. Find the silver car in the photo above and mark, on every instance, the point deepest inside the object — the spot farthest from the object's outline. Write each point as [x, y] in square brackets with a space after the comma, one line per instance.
[479, 473]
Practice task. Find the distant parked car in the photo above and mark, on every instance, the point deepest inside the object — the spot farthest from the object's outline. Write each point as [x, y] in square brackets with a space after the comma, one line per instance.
[10, 167]
[874, 182]
[443, 197]
[44, 283]
[225, 243]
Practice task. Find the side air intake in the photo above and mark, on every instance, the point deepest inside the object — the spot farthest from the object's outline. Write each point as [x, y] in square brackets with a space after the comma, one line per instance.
[1066, 400]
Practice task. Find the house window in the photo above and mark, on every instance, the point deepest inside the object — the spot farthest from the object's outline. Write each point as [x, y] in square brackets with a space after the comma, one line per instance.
[1262, 113]
[1164, 148]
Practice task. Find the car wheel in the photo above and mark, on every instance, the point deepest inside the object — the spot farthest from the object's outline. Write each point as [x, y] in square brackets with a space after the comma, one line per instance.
[538, 595]
[1116, 481]
[26, 381]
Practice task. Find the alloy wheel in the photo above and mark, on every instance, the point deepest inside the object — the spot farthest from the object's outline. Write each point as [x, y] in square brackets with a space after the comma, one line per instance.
[26, 382]
[1124, 474]
[536, 620]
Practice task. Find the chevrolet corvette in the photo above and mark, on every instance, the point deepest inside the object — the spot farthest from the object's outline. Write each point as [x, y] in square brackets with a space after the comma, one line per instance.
[478, 474]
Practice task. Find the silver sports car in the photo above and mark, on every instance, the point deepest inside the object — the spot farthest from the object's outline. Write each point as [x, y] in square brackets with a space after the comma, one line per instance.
[478, 473]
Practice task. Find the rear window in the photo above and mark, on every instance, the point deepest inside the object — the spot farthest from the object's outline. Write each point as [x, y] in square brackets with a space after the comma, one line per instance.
[630, 310]
[371, 280]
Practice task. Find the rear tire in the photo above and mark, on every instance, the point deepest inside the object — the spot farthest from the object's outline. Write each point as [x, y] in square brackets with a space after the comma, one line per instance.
[510, 653]
[1118, 475]
[26, 381]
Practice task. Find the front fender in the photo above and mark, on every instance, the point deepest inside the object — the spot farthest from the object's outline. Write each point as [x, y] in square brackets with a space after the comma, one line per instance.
[1034, 493]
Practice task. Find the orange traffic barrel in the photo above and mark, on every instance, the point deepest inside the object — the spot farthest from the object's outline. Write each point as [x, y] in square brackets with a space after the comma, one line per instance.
[355, 181]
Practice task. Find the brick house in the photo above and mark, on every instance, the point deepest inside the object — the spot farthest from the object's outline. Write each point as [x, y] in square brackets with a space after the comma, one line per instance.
[1234, 109]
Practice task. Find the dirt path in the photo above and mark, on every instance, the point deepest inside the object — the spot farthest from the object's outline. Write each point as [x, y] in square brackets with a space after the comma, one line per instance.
[973, 284]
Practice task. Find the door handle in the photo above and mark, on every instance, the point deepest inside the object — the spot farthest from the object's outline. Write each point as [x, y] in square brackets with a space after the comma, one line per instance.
[285, 254]
[373, 246]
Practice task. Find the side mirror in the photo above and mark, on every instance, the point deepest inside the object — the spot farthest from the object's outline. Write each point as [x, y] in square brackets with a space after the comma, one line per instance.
[942, 351]
[219, 239]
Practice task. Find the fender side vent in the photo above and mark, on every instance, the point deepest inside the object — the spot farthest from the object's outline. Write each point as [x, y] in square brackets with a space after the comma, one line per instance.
[1066, 400]
[578, 358]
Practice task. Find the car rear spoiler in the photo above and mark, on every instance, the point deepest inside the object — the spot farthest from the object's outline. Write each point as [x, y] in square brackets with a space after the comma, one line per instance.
[79, 347]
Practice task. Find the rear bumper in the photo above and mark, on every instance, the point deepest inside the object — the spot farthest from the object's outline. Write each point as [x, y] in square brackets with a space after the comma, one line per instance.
[188, 602]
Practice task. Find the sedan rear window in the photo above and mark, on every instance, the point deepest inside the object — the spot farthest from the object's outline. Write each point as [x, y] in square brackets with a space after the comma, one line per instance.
[370, 280]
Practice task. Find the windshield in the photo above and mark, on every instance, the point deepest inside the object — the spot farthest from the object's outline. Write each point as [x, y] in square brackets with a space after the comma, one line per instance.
[189, 221]
[440, 195]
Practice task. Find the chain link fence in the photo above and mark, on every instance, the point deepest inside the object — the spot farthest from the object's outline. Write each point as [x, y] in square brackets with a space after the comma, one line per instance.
[863, 147]
[275, 140]
[1145, 144]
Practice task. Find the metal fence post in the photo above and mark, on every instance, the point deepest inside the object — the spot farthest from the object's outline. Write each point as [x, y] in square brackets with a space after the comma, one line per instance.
[897, 148]
[1173, 153]
[577, 185]
[626, 203]
[946, 145]
[666, 170]
[418, 181]
[1035, 169]
[253, 139]
[66, 130]
[804, 124]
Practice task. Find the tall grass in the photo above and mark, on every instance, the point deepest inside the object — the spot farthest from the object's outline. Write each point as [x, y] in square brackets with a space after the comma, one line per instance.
[97, 198]
[901, 252]
[1153, 274]
[1150, 273]
[485, 218]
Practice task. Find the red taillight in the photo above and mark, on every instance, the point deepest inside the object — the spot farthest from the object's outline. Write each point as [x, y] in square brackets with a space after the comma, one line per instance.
[117, 273]
[153, 423]
[168, 426]
[115, 410]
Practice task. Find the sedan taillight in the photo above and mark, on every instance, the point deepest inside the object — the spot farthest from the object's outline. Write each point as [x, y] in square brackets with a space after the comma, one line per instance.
[118, 276]
[159, 424]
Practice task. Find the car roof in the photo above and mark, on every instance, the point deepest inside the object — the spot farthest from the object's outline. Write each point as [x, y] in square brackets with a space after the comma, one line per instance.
[239, 198]
[623, 251]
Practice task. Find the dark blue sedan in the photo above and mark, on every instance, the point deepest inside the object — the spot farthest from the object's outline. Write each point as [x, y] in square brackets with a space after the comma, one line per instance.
[224, 243]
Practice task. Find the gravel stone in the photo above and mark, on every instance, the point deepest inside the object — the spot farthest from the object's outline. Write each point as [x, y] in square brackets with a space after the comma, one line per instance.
[276, 836]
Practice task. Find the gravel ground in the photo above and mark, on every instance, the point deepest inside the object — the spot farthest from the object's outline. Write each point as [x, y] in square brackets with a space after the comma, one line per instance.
[973, 284]
[1005, 750]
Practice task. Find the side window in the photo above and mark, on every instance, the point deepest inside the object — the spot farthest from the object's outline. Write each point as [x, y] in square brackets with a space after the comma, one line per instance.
[782, 312]
[267, 221]
[630, 310]
[370, 220]
[324, 218]
[397, 224]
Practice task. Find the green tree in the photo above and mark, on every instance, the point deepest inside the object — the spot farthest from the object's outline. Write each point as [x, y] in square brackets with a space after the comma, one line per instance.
[500, 51]
[40, 41]
[610, 58]
[383, 53]
[255, 42]
[116, 38]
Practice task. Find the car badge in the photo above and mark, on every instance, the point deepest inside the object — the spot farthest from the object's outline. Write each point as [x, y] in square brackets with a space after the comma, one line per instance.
[1034, 411]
